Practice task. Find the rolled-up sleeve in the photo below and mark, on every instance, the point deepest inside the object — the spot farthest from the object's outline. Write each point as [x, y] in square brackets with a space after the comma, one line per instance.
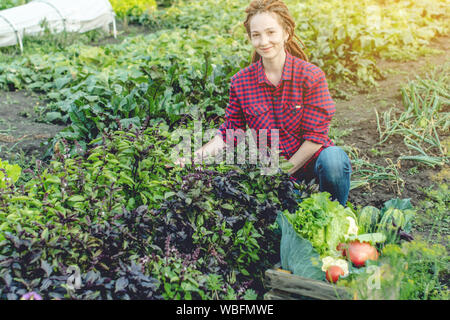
[234, 117]
[319, 108]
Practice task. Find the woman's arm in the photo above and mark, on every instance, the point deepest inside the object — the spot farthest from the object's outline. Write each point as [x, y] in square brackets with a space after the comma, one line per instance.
[303, 154]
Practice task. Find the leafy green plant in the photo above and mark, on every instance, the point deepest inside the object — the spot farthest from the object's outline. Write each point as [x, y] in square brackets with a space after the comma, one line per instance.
[227, 215]
[9, 174]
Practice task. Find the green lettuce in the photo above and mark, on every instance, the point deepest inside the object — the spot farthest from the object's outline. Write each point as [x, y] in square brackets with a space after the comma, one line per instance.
[323, 222]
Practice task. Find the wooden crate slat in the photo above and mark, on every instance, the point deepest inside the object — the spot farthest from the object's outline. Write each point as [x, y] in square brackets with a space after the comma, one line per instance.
[291, 283]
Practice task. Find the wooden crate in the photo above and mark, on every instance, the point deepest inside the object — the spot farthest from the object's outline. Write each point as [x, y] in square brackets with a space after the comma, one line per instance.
[286, 286]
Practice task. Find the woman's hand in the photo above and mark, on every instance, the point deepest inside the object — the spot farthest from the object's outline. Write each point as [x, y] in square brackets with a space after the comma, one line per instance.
[182, 160]
[179, 162]
[210, 149]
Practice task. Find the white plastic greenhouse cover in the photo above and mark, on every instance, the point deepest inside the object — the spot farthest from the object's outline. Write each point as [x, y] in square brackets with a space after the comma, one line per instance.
[60, 15]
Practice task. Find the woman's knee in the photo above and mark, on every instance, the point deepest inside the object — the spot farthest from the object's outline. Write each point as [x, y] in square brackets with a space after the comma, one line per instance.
[334, 162]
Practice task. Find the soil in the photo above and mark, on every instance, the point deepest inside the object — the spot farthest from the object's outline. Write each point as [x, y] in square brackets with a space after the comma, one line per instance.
[19, 129]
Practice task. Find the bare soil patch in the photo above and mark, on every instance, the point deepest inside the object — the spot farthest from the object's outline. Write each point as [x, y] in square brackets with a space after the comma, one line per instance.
[19, 129]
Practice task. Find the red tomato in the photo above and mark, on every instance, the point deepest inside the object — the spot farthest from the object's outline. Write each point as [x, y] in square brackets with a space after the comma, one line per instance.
[359, 253]
[333, 273]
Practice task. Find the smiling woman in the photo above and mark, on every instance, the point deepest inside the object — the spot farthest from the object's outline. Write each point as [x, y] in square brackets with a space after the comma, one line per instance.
[287, 97]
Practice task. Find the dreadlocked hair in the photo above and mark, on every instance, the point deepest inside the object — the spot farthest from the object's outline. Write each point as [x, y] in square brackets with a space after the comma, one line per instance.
[284, 17]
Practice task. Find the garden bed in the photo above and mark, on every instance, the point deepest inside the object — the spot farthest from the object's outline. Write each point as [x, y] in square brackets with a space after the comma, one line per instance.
[103, 200]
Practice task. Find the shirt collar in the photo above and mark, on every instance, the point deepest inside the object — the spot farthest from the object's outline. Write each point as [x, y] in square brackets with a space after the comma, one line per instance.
[287, 70]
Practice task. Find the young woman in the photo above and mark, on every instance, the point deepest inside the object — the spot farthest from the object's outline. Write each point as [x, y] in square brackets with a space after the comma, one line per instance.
[281, 90]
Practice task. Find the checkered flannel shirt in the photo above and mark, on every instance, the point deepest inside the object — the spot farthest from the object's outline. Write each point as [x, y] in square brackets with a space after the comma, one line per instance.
[300, 106]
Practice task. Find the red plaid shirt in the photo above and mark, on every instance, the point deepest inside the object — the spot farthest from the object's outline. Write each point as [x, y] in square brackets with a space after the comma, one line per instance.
[300, 107]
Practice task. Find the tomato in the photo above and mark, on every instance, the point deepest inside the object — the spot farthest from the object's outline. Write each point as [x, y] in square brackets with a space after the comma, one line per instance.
[360, 252]
[333, 273]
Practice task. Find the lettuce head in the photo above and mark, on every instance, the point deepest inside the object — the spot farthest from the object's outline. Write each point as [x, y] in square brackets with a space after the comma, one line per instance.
[323, 222]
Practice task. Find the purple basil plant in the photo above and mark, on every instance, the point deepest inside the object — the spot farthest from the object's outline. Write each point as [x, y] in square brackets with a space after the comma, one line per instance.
[31, 296]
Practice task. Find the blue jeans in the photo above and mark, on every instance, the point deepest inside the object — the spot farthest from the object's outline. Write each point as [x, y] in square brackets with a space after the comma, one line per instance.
[332, 170]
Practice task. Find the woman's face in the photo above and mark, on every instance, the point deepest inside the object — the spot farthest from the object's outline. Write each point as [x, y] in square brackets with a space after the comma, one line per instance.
[267, 35]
